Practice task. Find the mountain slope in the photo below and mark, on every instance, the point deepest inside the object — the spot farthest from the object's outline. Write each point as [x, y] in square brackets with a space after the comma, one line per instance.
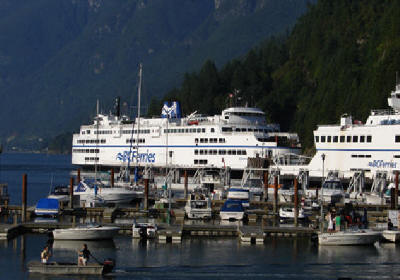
[70, 53]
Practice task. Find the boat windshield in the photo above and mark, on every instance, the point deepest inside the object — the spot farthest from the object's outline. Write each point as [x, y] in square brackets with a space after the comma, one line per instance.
[333, 185]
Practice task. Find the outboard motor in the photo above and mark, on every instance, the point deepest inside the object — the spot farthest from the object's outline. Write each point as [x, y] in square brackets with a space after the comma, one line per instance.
[108, 265]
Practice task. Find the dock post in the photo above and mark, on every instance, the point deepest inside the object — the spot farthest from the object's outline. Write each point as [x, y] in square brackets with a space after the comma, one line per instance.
[24, 197]
[78, 176]
[112, 178]
[396, 191]
[266, 185]
[146, 193]
[71, 192]
[296, 203]
[185, 184]
[276, 195]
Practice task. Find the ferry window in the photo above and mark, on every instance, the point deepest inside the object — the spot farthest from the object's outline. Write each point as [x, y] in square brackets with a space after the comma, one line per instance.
[369, 138]
[221, 140]
[353, 155]
[355, 139]
[329, 139]
[83, 132]
[201, 152]
[397, 138]
[316, 139]
[205, 140]
[367, 156]
[193, 130]
[250, 129]
[196, 140]
[198, 130]
[244, 129]
[186, 130]
[335, 139]
[212, 129]
[87, 131]
[229, 152]
[244, 152]
[222, 152]
[362, 139]
[233, 152]
[237, 129]
[203, 130]
[226, 117]
[205, 152]
[341, 139]
[215, 152]
[396, 156]
[348, 139]
[196, 152]
[239, 152]
[211, 140]
[323, 139]
[196, 161]
[201, 140]
[361, 156]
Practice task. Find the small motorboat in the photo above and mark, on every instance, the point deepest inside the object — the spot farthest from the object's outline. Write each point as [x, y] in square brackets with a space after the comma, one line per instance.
[144, 230]
[391, 235]
[60, 192]
[86, 232]
[238, 193]
[349, 237]
[198, 206]
[47, 207]
[232, 210]
[287, 213]
[63, 268]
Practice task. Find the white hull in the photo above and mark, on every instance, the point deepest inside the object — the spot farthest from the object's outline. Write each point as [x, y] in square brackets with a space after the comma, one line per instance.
[231, 215]
[391, 235]
[349, 238]
[85, 233]
[216, 141]
[198, 213]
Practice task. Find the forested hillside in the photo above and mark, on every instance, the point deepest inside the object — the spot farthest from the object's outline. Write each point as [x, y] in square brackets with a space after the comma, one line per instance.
[58, 57]
[341, 57]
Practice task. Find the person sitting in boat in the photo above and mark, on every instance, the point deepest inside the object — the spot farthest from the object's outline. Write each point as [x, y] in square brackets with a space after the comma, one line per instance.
[45, 255]
[83, 255]
[390, 225]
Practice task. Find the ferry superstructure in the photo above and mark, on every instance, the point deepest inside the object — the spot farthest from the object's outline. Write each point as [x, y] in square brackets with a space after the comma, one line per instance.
[195, 141]
[352, 146]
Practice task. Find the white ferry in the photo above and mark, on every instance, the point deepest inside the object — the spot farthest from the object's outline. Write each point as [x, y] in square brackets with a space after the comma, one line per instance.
[195, 141]
[352, 146]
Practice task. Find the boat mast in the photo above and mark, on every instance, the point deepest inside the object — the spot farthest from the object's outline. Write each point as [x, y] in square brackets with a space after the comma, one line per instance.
[138, 116]
[97, 140]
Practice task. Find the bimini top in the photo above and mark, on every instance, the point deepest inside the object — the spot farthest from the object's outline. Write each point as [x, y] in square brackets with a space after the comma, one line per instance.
[47, 204]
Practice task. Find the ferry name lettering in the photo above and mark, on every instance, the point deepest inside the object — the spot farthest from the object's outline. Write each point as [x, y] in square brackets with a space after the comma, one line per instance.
[132, 156]
[382, 164]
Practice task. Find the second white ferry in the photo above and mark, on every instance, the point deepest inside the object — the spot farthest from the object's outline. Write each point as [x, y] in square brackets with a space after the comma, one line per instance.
[195, 141]
[351, 146]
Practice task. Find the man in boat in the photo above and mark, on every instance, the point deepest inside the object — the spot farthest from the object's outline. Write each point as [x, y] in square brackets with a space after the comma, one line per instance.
[45, 255]
[83, 255]
[390, 225]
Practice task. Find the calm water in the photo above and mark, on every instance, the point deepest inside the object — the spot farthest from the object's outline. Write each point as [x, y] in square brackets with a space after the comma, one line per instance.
[194, 258]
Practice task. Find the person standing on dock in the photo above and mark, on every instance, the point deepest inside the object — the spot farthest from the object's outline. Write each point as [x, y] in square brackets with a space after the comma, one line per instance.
[45, 255]
[83, 256]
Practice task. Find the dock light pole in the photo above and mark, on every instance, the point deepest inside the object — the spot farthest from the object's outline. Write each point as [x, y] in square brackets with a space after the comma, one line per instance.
[322, 193]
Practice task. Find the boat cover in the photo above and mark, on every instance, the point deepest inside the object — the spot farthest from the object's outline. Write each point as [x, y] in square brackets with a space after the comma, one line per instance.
[46, 204]
[232, 206]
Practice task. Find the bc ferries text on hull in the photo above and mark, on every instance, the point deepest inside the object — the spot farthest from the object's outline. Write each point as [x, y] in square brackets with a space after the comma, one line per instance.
[194, 141]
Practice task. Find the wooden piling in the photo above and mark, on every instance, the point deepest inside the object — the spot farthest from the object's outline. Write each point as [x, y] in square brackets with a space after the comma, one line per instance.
[265, 185]
[71, 193]
[146, 194]
[185, 184]
[112, 178]
[276, 195]
[296, 203]
[78, 176]
[24, 197]
[396, 191]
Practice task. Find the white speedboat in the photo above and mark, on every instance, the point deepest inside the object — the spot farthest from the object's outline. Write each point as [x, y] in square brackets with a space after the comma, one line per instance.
[391, 235]
[198, 206]
[232, 210]
[144, 230]
[61, 193]
[287, 213]
[332, 190]
[351, 237]
[86, 232]
[88, 189]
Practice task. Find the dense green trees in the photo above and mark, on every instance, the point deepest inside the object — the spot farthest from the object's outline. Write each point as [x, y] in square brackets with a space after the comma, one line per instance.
[341, 57]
